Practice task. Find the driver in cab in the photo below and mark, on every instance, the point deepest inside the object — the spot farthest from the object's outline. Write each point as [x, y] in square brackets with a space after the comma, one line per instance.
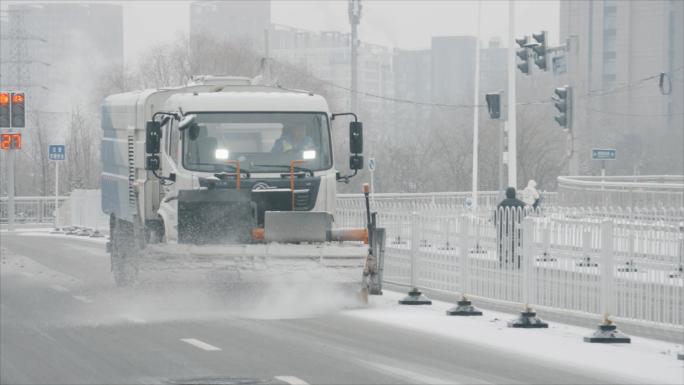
[293, 139]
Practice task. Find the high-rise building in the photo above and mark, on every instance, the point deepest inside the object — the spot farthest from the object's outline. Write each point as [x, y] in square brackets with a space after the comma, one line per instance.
[327, 56]
[237, 20]
[453, 69]
[493, 71]
[415, 75]
[623, 46]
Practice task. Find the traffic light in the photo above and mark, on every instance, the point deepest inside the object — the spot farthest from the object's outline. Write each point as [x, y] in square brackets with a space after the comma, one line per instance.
[494, 105]
[562, 100]
[540, 50]
[524, 55]
[18, 111]
[4, 109]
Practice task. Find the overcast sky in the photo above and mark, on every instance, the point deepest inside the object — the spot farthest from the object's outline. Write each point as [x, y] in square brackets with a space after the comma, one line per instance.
[402, 24]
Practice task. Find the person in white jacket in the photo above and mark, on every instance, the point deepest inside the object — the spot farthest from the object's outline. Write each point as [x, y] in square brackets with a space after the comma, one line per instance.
[530, 195]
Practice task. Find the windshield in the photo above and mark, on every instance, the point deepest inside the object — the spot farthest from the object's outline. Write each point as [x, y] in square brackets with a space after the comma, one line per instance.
[260, 141]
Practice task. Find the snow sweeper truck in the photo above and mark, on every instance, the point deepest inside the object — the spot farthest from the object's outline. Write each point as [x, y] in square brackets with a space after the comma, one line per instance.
[224, 172]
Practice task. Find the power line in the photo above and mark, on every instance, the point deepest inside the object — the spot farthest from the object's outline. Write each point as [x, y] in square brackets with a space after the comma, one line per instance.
[406, 101]
[595, 93]
[631, 114]
[628, 86]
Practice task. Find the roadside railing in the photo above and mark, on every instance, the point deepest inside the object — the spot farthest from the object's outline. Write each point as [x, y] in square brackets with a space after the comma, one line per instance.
[584, 261]
[31, 209]
[622, 191]
[81, 208]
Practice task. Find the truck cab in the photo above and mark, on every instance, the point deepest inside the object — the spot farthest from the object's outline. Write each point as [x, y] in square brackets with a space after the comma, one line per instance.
[204, 163]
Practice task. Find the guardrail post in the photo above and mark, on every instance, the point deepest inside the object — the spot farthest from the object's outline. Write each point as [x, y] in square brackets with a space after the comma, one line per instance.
[679, 270]
[527, 259]
[528, 317]
[546, 240]
[415, 297]
[446, 233]
[586, 250]
[607, 331]
[464, 307]
[607, 266]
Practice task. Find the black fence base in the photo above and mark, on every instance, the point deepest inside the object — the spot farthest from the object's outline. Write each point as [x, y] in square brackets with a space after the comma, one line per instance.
[478, 250]
[608, 334]
[546, 257]
[464, 308]
[415, 297]
[677, 273]
[587, 262]
[527, 320]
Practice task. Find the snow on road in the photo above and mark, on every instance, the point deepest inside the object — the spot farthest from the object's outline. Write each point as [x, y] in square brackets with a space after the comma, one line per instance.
[642, 361]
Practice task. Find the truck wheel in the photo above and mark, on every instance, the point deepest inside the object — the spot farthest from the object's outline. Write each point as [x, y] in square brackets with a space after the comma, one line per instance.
[124, 255]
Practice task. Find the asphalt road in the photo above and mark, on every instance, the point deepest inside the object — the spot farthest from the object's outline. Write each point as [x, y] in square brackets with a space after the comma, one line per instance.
[64, 321]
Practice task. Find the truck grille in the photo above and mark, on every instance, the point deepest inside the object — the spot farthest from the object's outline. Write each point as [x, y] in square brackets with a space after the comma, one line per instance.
[302, 200]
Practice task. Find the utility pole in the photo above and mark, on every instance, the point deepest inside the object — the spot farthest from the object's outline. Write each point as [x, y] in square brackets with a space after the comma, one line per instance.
[266, 68]
[476, 110]
[354, 20]
[511, 122]
[572, 46]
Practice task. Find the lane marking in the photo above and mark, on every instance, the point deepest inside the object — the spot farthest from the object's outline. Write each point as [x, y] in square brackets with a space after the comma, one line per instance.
[415, 377]
[83, 299]
[199, 344]
[292, 380]
[59, 288]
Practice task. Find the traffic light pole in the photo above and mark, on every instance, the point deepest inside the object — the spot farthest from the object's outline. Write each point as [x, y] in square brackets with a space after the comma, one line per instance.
[501, 164]
[10, 188]
[511, 121]
[573, 76]
[476, 110]
[354, 20]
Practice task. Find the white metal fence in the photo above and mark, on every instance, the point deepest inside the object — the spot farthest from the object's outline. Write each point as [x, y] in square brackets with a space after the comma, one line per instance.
[588, 261]
[624, 191]
[31, 209]
[81, 208]
[460, 199]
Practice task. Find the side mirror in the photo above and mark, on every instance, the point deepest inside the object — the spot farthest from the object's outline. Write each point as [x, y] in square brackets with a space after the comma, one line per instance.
[152, 163]
[356, 162]
[186, 122]
[356, 138]
[152, 137]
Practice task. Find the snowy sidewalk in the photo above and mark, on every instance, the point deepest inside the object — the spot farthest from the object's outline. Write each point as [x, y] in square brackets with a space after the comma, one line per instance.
[642, 361]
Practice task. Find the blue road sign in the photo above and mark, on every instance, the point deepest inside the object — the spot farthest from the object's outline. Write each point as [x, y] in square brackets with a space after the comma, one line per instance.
[56, 152]
[603, 154]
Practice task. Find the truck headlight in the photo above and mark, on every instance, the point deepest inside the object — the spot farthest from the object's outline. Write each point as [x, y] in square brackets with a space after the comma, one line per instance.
[221, 153]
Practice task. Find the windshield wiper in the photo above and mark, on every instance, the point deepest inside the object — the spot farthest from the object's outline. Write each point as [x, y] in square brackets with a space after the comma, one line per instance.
[220, 168]
[296, 168]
